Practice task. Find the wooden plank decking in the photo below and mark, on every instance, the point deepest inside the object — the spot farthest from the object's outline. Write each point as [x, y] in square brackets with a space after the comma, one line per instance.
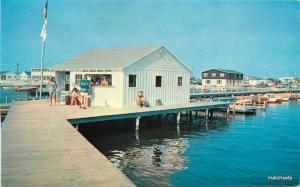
[96, 114]
[41, 148]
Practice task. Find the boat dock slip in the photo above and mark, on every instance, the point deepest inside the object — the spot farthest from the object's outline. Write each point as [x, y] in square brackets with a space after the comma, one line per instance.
[41, 148]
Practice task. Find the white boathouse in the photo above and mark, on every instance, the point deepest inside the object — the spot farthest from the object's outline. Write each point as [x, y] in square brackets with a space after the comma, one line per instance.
[163, 78]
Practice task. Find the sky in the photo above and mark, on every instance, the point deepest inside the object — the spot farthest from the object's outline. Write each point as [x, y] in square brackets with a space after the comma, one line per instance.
[257, 38]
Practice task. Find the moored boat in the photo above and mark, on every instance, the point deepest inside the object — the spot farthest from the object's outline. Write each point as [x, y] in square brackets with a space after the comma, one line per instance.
[273, 98]
[285, 99]
[295, 96]
[25, 89]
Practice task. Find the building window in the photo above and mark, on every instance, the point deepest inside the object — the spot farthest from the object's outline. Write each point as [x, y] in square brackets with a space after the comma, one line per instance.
[207, 81]
[179, 81]
[222, 75]
[205, 74]
[218, 81]
[78, 78]
[132, 80]
[158, 81]
[213, 74]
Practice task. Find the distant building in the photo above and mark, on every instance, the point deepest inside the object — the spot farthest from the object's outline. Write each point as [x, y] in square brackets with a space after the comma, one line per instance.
[272, 82]
[163, 78]
[253, 81]
[25, 76]
[9, 76]
[36, 74]
[286, 80]
[222, 78]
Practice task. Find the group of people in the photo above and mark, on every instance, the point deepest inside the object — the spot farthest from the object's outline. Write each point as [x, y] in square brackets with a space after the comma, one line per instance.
[78, 97]
[81, 97]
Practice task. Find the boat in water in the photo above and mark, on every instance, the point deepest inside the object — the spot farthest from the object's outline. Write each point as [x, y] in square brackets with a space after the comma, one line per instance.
[224, 99]
[273, 98]
[25, 89]
[7, 87]
[295, 96]
[241, 109]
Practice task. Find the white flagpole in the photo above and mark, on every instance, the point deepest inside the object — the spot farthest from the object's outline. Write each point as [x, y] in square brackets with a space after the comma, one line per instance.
[43, 35]
[42, 67]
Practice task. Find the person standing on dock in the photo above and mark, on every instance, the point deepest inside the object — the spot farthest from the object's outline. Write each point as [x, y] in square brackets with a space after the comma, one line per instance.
[52, 86]
[85, 89]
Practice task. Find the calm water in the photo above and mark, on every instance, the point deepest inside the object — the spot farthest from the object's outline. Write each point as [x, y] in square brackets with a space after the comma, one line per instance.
[10, 94]
[242, 151]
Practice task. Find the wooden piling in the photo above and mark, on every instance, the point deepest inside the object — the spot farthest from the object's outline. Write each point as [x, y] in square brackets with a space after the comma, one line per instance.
[227, 112]
[178, 118]
[207, 113]
[137, 123]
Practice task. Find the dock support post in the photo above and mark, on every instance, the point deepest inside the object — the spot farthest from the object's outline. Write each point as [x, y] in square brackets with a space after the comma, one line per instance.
[137, 136]
[196, 113]
[178, 129]
[77, 127]
[206, 113]
[210, 114]
[190, 116]
[137, 123]
[227, 112]
[233, 109]
[178, 118]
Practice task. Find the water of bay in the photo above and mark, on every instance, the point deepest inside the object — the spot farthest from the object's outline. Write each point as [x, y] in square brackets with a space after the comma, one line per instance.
[240, 151]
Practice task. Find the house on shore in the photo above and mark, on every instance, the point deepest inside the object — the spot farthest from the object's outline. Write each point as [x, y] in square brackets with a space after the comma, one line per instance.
[222, 78]
[287, 80]
[8, 76]
[155, 70]
[25, 76]
[253, 81]
[36, 74]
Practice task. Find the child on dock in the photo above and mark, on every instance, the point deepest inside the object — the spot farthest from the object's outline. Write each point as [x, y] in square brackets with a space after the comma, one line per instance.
[52, 86]
[75, 97]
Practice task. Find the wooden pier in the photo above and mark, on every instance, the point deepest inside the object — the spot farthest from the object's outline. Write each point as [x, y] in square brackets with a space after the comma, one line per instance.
[41, 148]
[97, 114]
[238, 92]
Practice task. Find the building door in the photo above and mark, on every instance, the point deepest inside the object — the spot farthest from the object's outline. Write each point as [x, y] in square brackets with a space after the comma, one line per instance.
[67, 83]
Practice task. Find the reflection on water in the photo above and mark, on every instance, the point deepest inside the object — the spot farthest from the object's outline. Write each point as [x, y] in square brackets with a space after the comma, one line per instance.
[240, 151]
[149, 156]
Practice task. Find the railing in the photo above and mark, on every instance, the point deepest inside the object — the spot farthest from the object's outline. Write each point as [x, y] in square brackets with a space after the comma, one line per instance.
[198, 91]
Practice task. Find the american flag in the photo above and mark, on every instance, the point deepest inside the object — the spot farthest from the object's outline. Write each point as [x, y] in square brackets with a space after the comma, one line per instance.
[45, 10]
[44, 29]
